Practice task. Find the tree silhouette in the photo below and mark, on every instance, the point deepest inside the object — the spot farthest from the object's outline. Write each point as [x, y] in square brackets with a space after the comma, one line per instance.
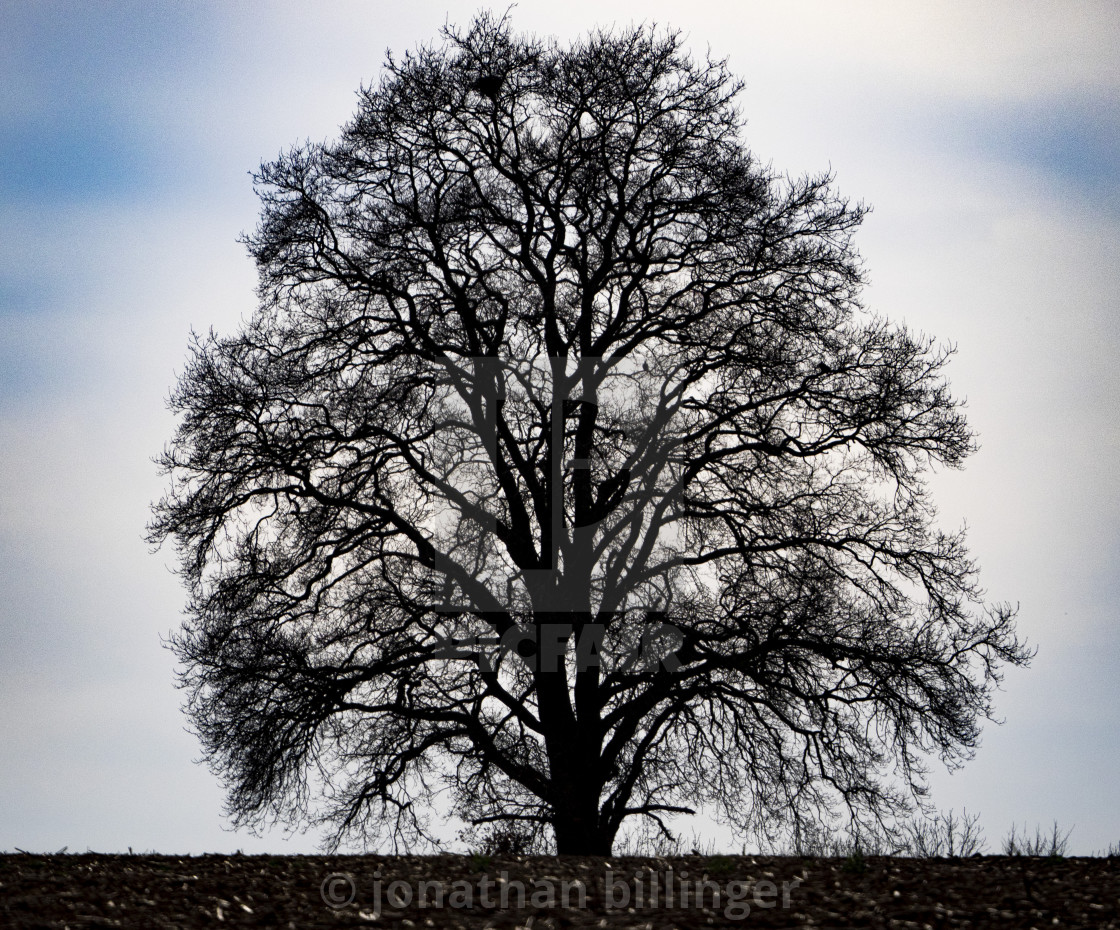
[561, 473]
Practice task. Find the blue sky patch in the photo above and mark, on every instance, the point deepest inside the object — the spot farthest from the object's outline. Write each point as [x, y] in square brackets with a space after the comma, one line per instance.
[77, 155]
[80, 87]
[1077, 143]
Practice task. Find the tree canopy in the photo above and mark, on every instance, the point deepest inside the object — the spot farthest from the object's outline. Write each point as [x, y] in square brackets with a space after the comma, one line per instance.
[561, 473]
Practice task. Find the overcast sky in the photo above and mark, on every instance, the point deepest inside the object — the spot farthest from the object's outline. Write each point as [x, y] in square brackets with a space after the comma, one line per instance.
[986, 137]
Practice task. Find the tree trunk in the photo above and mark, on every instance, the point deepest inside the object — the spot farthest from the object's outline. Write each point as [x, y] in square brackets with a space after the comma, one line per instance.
[574, 769]
[576, 818]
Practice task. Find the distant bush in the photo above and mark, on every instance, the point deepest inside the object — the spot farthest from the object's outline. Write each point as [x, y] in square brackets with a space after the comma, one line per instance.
[657, 844]
[944, 835]
[503, 839]
[1022, 844]
[817, 841]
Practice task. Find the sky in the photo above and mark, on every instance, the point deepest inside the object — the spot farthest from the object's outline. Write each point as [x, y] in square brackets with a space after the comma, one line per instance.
[985, 137]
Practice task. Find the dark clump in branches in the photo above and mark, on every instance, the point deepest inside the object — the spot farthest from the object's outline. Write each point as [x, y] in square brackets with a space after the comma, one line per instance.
[561, 472]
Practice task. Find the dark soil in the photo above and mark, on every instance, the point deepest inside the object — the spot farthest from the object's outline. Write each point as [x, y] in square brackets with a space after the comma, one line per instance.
[529, 891]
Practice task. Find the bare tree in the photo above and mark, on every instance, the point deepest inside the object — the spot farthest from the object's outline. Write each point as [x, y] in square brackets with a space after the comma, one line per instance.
[560, 470]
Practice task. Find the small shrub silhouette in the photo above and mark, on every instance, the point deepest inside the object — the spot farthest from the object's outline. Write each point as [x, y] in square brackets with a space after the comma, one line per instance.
[944, 835]
[1053, 845]
[506, 839]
